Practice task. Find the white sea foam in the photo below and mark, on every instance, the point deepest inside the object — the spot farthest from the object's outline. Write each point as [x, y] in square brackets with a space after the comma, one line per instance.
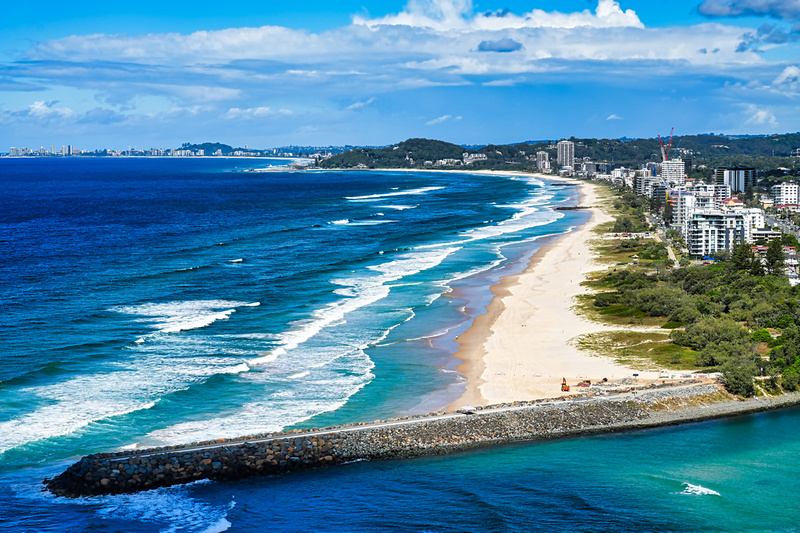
[160, 367]
[698, 490]
[235, 260]
[292, 405]
[300, 375]
[340, 222]
[398, 207]
[62, 417]
[172, 317]
[238, 369]
[171, 507]
[358, 291]
[409, 192]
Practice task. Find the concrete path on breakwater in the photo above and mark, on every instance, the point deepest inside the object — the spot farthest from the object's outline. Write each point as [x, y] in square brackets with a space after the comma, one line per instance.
[620, 396]
[630, 408]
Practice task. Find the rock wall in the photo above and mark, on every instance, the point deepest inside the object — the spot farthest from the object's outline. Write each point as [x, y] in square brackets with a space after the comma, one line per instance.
[114, 473]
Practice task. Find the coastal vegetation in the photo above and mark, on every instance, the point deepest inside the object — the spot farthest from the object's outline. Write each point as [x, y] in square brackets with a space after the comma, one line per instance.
[737, 315]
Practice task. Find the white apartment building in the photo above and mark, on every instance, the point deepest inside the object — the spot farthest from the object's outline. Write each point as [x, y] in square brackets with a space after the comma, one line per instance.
[785, 194]
[643, 185]
[542, 160]
[685, 202]
[673, 171]
[719, 191]
[566, 154]
[712, 230]
[471, 158]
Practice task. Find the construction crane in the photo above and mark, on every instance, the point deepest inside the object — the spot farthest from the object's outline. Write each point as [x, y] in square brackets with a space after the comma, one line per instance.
[677, 149]
[665, 154]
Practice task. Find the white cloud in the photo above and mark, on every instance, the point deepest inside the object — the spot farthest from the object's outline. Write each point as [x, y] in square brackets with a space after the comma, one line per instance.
[458, 15]
[613, 116]
[442, 119]
[760, 116]
[502, 83]
[47, 110]
[372, 48]
[255, 112]
[788, 80]
[359, 105]
[431, 43]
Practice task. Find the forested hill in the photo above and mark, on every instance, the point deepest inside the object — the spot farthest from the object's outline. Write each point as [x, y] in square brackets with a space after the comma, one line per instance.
[712, 150]
[408, 154]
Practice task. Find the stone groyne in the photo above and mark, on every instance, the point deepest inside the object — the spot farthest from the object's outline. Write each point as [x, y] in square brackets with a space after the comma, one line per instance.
[132, 471]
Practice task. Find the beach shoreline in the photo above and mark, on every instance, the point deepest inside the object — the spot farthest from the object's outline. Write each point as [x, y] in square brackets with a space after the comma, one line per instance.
[520, 348]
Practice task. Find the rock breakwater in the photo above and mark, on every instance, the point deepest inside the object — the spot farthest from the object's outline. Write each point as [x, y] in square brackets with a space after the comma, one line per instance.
[437, 433]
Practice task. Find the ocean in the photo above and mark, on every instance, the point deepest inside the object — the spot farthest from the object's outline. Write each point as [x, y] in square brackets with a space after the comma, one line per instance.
[163, 301]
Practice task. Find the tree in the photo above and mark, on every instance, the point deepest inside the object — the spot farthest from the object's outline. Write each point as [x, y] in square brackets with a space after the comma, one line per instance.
[774, 257]
[737, 376]
[741, 256]
[756, 267]
[787, 239]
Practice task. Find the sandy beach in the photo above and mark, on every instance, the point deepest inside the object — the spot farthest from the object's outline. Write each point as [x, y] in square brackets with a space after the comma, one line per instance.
[520, 348]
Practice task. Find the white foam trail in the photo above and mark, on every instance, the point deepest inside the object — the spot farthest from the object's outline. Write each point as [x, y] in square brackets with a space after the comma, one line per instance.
[340, 222]
[238, 369]
[372, 222]
[219, 527]
[300, 375]
[172, 317]
[235, 260]
[359, 292]
[398, 207]
[306, 399]
[157, 369]
[699, 490]
[409, 192]
[171, 507]
[528, 217]
[73, 409]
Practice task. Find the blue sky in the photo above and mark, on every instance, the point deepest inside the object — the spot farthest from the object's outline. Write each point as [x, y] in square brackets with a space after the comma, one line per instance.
[155, 74]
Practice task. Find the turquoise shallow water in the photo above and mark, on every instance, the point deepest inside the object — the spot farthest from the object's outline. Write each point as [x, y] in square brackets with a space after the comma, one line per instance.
[160, 301]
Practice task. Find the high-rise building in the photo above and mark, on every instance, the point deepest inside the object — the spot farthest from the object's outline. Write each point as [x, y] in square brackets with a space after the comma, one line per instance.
[738, 178]
[718, 190]
[542, 160]
[785, 194]
[566, 153]
[673, 171]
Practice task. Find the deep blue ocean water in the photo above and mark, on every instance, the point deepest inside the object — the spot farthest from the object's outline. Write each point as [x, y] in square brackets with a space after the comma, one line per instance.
[161, 301]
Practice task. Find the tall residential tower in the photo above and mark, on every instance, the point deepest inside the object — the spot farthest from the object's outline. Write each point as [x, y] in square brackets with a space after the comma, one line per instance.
[566, 154]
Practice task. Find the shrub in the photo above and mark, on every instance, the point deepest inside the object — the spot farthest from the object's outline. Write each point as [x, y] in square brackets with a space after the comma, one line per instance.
[686, 314]
[789, 380]
[604, 299]
[761, 335]
[737, 376]
[711, 331]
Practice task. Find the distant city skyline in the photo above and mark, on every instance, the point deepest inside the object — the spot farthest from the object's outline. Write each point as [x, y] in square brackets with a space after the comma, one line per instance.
[97, 75]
